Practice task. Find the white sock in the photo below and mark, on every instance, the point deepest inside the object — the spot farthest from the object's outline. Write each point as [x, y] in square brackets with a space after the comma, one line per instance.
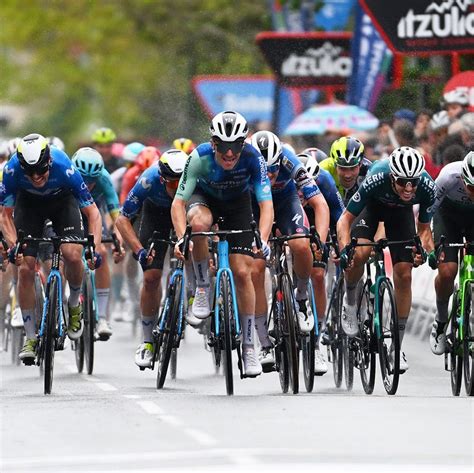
[102, 301]
[301, 288]
[261, 326]
[248, 328]
[147, 325]
[28, 316]
[201, 270]
[74, 293]
[351, 293]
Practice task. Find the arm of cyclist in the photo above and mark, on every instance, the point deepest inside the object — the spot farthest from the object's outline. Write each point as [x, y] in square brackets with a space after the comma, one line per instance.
[426, 237]
[322, 215]
[9, 233]
[265, 223]
[117, 255]
[344, 237]
[94, 219]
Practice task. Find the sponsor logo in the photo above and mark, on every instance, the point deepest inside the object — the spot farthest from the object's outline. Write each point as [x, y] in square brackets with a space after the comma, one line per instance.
[249, 104]
[356, 197]
[70, 171]
[9, 170]
[318, 62]
[266, 189]
[184, 176]
[296, 218]
[450, 18]
[145, 183]
[67, 229]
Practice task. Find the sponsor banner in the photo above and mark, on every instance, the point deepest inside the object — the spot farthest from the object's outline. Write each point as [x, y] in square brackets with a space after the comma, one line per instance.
[424, 26]
[308, 59]
[252, 96]
[334, 15]
[463, 82]
[371, 59]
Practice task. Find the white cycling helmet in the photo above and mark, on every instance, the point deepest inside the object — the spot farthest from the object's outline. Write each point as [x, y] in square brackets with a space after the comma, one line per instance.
[310, 163]
[458, 95]
[131, 151]
[406, 162]
[56, 142]
[229, 126]
[468, 169]
[269, 146]
[440, 120]
[172, 163]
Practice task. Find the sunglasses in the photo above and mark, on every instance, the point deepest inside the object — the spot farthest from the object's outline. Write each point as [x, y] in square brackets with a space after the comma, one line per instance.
[404, 181]
[224, 146]
[39, 170]
[172, 183]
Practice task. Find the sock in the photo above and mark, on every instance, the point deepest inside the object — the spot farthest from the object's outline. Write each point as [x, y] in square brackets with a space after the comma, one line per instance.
[102, 301]
[201, 270]
[301, 288]
[74, 293]
[117, 283]
[261, 326]
[28, 316]
[351, 293]
[147, 325]
[442, 307]
[401, 330]
[248, 327]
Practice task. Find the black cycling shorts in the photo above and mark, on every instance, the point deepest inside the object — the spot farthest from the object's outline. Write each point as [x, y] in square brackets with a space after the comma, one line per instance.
[454, 223]
[154, 218]
[399, 225]
[236, 214]
[31, 212]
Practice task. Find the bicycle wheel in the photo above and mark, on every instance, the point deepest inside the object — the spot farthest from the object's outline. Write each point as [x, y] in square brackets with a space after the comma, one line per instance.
[174, 363]
[348, 362]
[336, 333]
[281, 358]
[454, 352]
[225, 321]
[168, 337]
[88, 334]
[49, 337]
[388, 338]
[308, 346]
[78, 348]
[468, 340]
[291, 344]
[365, 360]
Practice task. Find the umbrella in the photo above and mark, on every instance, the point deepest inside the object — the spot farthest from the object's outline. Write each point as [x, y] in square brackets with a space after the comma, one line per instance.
[464, 81]
[319, 119]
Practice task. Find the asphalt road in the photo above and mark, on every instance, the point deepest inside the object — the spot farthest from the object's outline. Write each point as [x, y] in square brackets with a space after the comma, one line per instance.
[115, 420]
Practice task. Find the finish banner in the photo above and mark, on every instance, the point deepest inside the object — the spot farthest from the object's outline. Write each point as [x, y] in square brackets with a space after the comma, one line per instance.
[308, 59]
[424, 26]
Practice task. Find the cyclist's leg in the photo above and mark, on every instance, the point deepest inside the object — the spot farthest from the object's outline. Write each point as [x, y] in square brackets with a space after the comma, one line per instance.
[102, 284]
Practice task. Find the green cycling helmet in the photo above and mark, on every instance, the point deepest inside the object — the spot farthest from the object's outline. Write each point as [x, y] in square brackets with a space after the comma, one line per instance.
[104, 136]
[347, 151]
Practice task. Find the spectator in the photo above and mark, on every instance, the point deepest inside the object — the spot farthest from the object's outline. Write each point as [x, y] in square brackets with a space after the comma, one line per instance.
[453, 153]
[422, 122]
[455, 102]
[404, 114]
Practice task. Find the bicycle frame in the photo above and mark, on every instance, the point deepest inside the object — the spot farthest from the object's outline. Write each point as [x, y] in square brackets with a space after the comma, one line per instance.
[378, 262]
[466, 278]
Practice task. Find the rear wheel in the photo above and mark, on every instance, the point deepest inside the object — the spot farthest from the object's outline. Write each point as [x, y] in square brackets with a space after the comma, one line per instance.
[348, 362]
[336, 333]
[168, 338]
[78, 347]
[52, 318]
[388, 338]
[225, 329]
[291, 343]
[468, 340]
[454, 351]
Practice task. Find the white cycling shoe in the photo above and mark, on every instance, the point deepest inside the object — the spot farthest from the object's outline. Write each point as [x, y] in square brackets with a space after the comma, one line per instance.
[252, 366]
[201, 308]
[437, 340]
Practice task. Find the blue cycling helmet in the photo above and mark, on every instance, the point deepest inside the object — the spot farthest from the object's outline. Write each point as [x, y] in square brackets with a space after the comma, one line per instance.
[88, 162]
[131, 151]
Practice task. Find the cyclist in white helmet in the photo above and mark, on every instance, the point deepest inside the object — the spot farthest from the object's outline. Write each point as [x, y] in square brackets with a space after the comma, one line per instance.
[387, 195]
[454, 218]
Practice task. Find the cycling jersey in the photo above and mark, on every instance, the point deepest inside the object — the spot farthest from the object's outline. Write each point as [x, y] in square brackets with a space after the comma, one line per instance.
[450, 188]
[149, 187]
[378, 187]
[63, 177]
[330, 193]
[129, 179]
[329, 164]
[203, 173]
[104, 192]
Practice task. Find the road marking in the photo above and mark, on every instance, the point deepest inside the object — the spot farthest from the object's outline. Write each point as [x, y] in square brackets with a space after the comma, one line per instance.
[171, 420]
[201, 437]
[132, 396]
[106, 387]
[150, 407]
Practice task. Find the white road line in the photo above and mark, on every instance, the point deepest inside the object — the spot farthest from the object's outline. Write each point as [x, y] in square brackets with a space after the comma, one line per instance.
[201, 437]
[132, 396]
[171, 420]
[150, 407]
[91, 379]
[106, 387]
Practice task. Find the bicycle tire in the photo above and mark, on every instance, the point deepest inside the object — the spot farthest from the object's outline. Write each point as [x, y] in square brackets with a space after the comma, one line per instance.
[281, 358]
[290, 334]
[367, 352]
[88, 334]
[468, 341]
[225, 315]
[174, 363]
[308, 347]
[348, 362]
[388, 330]
[454, 347]
[169, 335]
[50, 334]
[337, 333]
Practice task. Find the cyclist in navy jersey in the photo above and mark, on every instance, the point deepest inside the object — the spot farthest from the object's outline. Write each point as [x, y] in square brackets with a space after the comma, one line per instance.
[216, 183]
[40, 183]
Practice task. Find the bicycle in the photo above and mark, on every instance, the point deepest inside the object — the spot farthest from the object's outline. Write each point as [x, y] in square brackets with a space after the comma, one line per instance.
[84, 346]
[169, 328]
[52, 330]
[225, 328]
[288, 337]
[459, 352]
[378, 320]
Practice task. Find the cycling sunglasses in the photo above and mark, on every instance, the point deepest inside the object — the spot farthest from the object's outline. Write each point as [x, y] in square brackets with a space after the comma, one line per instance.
[38, 170]
[224, 146]
[404, 181]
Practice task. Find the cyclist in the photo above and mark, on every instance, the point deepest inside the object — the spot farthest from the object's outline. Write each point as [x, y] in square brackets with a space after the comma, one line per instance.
[388, 194]
[453, 218]
[40, 183]
[287, 176]
[102, 140]
[184, 144]
[56, 141]
[90, 165]
[347, 165]
[152, 194]
[216, 183]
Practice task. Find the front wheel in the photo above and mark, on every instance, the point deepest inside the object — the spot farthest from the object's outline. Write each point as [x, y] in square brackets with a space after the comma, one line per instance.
[291, 343]
[388, 338]
[468, 340]
[348, 362]
[88, 334]
[454, 348]
[226, 314]
[49, 337]
[336, 333]
[308, 346]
